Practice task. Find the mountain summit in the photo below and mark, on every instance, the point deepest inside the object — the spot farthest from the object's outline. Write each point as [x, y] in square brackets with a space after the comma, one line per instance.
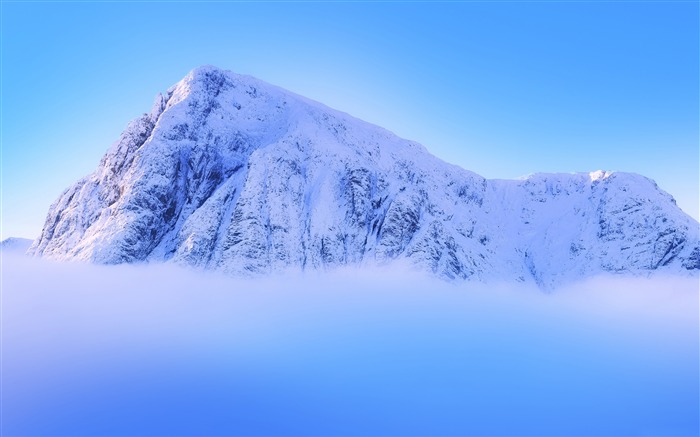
[230, 173]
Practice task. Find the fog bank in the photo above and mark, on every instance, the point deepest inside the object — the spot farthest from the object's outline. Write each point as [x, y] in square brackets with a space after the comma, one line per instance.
[158, 350]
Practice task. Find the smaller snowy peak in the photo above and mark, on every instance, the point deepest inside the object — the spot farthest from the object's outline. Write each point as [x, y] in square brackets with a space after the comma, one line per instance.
[593, 176]
[13, 245]
[599, 175]
[583, 180]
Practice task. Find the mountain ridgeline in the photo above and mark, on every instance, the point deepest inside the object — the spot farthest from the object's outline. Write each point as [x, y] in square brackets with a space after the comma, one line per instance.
[232, 174]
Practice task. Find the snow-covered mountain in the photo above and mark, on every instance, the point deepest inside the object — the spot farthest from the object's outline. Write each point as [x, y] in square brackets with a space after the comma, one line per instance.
[15, 246]
[230, 173]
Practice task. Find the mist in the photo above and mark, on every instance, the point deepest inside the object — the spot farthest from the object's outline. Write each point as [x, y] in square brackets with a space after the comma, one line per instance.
[161, 350]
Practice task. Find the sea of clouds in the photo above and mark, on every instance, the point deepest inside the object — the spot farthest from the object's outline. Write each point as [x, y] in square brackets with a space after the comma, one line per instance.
[160, 350]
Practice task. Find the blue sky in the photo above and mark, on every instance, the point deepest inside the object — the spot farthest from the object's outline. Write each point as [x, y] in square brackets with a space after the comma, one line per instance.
[502, 89]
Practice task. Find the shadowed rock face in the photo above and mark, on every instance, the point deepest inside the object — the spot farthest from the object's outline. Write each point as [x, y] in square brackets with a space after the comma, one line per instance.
[229, 173]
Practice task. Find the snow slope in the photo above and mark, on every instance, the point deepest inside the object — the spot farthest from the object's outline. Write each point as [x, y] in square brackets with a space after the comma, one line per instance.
[229, 173]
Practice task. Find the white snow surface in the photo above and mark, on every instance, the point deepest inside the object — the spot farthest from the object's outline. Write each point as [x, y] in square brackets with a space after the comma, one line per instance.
[230, 173]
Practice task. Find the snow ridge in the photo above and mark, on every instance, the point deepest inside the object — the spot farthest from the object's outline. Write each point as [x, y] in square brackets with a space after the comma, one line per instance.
[229, 173]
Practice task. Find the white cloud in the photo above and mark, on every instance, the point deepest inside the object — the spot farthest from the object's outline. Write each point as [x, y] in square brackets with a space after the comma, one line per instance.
[156, 350]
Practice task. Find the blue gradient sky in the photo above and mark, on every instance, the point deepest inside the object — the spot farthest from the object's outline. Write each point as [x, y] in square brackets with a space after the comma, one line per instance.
[503, 89]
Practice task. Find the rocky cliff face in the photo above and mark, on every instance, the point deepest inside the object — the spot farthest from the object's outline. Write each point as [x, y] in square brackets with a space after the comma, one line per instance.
[229, 173]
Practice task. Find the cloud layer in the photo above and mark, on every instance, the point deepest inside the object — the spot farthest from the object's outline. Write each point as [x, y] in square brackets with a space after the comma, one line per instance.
[156, 350]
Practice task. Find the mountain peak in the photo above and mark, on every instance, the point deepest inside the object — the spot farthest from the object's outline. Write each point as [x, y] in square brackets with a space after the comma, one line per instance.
[207, 69]
[208, 77]
[599, 175]
[15, 245]
[233, 174]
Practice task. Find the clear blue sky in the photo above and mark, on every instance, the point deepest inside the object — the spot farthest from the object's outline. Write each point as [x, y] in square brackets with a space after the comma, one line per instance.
[503, 89]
